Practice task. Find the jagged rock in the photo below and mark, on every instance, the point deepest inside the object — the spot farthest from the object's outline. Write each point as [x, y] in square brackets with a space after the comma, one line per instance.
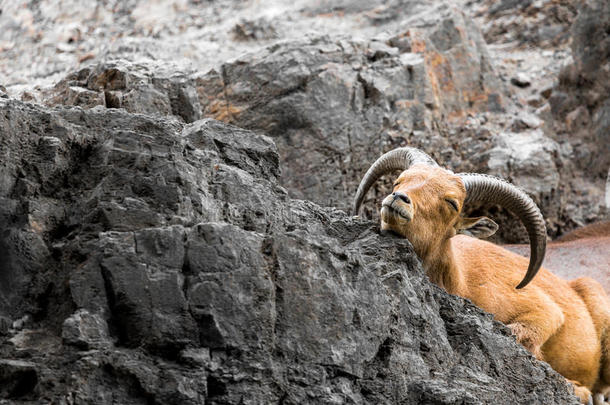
[214, 285]
[248, 30]
[543, 23]
[334, 105]
[580, 107]
[525, 121]
[323, 99]
[143, 260]
[546, 91]
[159, 89]
[526, 158]
[5, 324]
[86, 330]
[17, 378]
[583, 88]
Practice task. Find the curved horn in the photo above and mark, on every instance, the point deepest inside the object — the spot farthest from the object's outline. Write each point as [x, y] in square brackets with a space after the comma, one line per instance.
[399, 158]
[493, 190]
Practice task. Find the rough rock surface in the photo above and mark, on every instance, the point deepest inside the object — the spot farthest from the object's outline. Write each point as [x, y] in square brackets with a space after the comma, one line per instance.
[145, 260]
[411, 72]
[541, 23]
[334, 104]
[580, 103]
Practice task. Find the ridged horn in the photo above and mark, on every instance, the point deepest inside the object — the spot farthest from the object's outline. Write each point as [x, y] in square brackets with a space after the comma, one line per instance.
[487, 189]
[399, 158]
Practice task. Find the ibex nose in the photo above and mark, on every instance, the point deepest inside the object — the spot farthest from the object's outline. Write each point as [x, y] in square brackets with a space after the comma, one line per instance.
[402, 196]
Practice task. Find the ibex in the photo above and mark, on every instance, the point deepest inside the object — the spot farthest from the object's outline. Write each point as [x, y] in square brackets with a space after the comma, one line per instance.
[566, 324]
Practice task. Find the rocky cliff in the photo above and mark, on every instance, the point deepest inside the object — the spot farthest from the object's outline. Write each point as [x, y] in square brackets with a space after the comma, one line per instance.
[145, 260]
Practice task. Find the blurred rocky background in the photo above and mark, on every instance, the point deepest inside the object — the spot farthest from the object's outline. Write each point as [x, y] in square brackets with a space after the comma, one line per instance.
[175, 176]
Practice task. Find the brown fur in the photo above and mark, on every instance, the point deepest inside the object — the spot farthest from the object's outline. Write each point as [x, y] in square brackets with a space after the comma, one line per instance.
[566, 324]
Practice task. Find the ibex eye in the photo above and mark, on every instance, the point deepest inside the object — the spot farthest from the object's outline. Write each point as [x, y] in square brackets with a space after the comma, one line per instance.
[453, 204]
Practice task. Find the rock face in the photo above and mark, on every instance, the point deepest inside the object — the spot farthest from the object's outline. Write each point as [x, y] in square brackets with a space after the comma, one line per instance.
[543, 23]
[334, 105]
[145, 260]
[372, 76]
[581, 103]
[579, 115]
[331, 105]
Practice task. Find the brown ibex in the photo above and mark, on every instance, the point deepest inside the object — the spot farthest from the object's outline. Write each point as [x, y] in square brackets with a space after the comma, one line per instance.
[566, 324]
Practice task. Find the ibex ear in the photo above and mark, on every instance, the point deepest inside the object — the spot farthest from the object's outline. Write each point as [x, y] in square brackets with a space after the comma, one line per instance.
[479, 227]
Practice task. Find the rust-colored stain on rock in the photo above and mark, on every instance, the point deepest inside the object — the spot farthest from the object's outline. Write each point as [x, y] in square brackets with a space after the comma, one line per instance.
[222, 110]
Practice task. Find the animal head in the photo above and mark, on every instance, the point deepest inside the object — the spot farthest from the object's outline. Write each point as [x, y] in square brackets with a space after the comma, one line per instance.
[425, 207]
[427, 201]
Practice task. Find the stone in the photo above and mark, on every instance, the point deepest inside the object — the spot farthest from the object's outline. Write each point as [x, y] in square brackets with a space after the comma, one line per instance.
[521, 80]
[424, 80]
[248, 30]
[535, 101]
[580, 108]
[20, 323]
[525, 121]
[137, 88]
[607, 194]
[577, 119]
[547, 91]
[531, 156]
[5, 325]
[150, 255]
[17, 378]
[86, 331]
[542, 24]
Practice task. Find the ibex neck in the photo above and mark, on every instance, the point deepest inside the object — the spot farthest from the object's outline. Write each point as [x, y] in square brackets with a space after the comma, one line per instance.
[442, 270]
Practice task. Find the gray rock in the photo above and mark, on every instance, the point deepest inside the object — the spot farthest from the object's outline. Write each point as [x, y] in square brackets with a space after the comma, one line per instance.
[525, 121]
[322, 99]
[526, 158]
[162, 88]
[177, 244]
[607, 194]
[541, 23]
[580, 107]
[333, 105]
[5, 324]
[248, 30]
[546, 91]
[521, 80]
[85, 330]
[17, 378]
